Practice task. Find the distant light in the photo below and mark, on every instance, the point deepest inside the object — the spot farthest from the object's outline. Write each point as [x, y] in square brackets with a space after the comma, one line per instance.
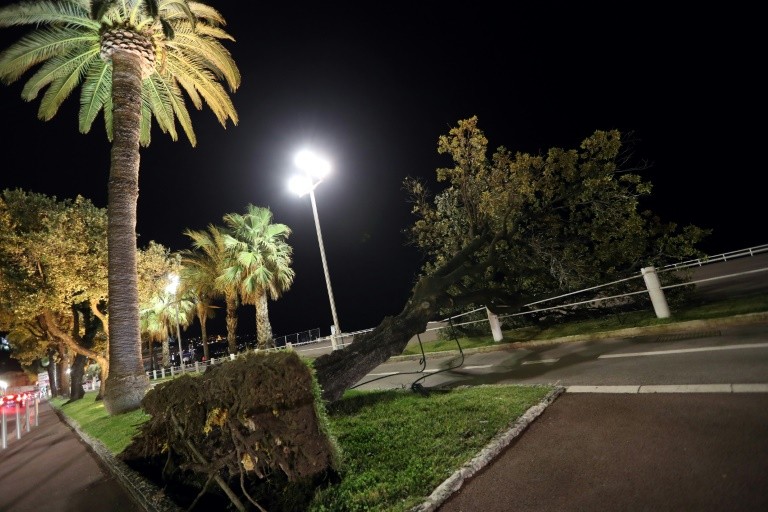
[312, 164]
[173, 284]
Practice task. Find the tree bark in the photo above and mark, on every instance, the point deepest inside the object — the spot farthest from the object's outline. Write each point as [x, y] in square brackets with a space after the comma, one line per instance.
[127, 383]
[76, 390]
[263, 327]
[231, 301]
[341, 369]
[202, 315]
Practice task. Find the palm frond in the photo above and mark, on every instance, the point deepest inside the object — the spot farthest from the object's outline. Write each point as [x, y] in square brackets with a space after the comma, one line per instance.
[57, 67]
[204, 82]
[158, 97]
[60, 89]
[38, 47]
[41, 13]
[94, 94]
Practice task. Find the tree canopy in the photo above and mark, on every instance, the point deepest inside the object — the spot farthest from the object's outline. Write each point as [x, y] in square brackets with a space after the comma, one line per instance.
[560, 221]
[508, 228]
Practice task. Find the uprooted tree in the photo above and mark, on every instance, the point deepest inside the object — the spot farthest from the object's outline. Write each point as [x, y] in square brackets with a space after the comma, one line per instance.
[514, 227]
[251, 432]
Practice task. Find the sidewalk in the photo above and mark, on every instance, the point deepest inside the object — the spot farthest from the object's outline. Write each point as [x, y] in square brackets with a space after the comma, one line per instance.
[51, 469]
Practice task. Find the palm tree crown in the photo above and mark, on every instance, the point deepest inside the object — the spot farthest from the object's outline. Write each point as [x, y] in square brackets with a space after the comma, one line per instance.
[177, 40]
[261, 262]
[210, 258]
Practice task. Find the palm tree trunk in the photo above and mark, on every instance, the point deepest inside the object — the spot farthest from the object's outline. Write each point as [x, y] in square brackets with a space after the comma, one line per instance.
[202, 315]
[231, 301]
[263, 327]
[127, 382]
[166, 352]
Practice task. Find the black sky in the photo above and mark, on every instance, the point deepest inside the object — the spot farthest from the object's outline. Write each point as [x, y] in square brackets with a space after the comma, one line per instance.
[373, 86]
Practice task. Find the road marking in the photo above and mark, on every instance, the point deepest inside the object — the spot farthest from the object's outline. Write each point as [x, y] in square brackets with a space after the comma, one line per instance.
[396, 373]
[478, 367]
[685, 350]
[541, 361]
[673, 388]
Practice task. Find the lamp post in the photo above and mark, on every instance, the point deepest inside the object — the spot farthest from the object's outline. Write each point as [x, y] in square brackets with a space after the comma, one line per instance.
[173, 285]
[315, 169]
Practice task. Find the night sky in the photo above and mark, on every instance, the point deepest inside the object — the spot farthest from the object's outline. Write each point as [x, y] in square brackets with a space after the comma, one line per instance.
[373, 86]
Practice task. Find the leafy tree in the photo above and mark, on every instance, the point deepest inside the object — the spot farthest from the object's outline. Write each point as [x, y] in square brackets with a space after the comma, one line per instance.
[261, 263]
[513, 227]
[209, 256]
[53, 280]
[134, 59]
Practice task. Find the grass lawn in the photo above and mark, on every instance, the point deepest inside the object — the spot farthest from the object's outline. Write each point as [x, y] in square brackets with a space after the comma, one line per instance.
[397, 446]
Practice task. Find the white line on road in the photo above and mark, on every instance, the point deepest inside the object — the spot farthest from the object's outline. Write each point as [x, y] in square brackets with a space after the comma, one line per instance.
[395, 373]
[541, 361]
[478, 367]
[685, 350]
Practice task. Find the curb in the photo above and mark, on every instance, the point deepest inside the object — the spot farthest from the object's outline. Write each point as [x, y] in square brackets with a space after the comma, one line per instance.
[486, 456]
[146, 494]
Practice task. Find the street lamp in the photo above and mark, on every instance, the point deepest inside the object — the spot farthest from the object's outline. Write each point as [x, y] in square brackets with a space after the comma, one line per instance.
[315, 169]
[173, 285]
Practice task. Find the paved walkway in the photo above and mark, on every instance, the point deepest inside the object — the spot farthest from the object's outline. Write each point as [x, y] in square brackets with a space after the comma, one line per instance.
[50, 469]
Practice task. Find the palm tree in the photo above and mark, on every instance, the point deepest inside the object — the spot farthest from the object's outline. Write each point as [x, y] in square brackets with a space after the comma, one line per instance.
[212, 253]
[155, 329]
[199, 273]
[261, 263]
[134, 58]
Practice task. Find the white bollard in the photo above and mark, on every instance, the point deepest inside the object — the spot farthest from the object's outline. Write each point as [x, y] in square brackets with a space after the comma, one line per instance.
[658, 299]
[495, 326]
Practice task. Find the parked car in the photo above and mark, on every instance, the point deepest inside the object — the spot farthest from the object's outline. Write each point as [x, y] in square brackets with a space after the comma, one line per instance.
[14, 401]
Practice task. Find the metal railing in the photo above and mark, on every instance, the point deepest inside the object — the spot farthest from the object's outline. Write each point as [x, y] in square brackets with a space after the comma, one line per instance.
[347, 338]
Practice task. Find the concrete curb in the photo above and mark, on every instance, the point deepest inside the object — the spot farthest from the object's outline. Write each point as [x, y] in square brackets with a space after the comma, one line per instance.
[145, 493]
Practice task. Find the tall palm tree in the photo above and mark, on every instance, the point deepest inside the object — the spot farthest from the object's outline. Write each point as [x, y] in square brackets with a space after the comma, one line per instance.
[133, 58]
[213, 254]
[261, 263]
